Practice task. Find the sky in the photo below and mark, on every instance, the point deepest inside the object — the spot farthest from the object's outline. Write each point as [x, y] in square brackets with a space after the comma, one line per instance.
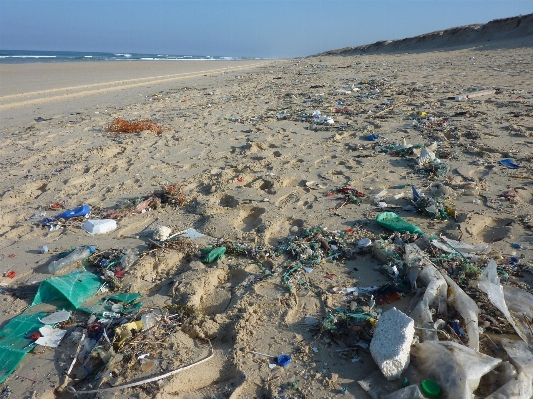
[237, 28]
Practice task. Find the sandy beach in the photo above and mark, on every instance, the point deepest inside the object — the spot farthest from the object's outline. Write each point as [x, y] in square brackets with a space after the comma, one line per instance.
[256, 168]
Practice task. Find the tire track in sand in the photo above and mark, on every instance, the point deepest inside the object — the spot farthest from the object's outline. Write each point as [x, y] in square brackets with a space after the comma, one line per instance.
[105, 87]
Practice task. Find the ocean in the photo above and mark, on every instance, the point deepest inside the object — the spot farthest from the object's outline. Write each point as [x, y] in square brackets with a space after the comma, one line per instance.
[31, 56]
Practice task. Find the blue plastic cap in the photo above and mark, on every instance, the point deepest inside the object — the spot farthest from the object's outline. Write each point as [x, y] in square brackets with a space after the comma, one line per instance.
[284, 360]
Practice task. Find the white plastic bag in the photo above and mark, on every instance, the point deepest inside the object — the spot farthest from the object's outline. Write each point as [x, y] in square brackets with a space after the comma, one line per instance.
[456, 368]
[521, 386]
[515, 304]
[468, 310]
[410, 392]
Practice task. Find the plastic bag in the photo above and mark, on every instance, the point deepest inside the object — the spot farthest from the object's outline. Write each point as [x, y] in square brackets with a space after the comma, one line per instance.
[520, 305]
[410, 392]
[521, 386]
[435, 292]
[128, 259]
[468, 310]
[423, 318]
[466, 250]
[456, 368]
[515, 304]
[437, 289]
[393, 222]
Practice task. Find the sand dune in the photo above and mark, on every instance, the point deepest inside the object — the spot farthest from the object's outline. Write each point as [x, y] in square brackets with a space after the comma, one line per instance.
[515, 31]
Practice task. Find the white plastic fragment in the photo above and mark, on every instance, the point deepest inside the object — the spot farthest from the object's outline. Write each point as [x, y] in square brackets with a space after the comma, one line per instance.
[51, 337]
[56, 317]
[192, 233]
[467, 250]
[390, 345]
[100, 226]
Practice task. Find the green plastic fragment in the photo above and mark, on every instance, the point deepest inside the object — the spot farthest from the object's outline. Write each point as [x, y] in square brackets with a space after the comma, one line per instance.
[68, 291]
[393, 222]
[214, 254]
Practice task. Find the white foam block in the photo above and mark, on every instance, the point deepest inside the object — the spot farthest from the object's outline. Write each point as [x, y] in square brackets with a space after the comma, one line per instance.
[391, 344]
[101, 226]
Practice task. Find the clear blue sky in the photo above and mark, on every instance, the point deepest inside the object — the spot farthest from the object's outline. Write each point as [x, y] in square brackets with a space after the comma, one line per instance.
[249, 28]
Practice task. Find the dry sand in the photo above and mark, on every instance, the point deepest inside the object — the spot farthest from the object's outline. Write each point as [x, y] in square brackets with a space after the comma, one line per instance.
[236, 141]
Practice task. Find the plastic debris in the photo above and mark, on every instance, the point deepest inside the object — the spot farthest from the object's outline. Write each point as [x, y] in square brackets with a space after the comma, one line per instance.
[51, 337]
[456, 368]
[71, 213]
[56, 317]
[508, 163]
[162, 233]
[102, 226]
[213, 254]
[393, 222]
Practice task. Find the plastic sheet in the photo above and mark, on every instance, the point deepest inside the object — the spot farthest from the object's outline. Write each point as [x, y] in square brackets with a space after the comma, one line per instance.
[466, 250]
[515, 304]
[456, 368]
[434, 295]
[468, 310]
[521, 385]
[410, 392]
[520, 305]
[68, 291]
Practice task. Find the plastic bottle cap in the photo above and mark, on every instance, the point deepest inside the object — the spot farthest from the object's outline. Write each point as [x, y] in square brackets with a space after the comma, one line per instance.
[430, 388]
[284, 360]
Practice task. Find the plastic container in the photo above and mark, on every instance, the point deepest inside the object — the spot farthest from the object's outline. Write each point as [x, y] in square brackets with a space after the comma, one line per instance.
[430, 388]
[75, 256]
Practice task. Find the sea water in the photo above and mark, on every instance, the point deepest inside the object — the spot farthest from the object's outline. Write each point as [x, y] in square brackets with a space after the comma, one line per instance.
[32, 56]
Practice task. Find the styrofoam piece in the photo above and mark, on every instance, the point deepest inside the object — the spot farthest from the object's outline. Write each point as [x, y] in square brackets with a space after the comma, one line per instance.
[391, 344]
[99, 226]
[51, 337]
[56, 317]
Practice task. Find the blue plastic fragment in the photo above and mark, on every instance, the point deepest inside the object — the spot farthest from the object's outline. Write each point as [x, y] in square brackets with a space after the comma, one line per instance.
[516, 245]
[508, 163]
[458, 330]
[70, 213]
[372, 137]
[284, 360]
[514, 260]
[416, 194]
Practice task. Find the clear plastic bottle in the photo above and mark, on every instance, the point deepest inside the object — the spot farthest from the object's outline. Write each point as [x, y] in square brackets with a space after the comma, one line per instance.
[77, 255]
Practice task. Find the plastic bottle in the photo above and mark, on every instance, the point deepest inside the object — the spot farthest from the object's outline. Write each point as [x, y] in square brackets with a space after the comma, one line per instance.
[77, 255]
